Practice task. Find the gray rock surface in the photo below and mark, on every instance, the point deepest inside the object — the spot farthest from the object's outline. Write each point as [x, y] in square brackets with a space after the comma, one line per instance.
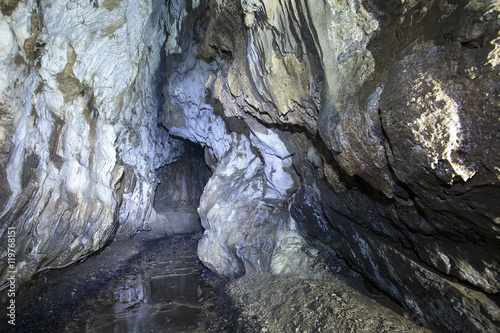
[337, 131]
[79, 131]
[401, 180]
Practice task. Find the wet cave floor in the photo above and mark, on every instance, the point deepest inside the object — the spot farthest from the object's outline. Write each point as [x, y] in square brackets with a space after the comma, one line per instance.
[148, 284]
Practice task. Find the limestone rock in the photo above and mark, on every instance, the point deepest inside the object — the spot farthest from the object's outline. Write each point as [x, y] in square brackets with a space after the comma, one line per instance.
[404, 172]
[245, 201]
[79, 131]
[274, 73]
[366, 132]
[438, 129]
[241, 218]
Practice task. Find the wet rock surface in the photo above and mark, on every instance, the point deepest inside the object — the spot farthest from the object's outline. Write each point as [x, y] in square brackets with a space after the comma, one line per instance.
[145, 284]
[79, 126]
[399, 172]
[149, 284]
[339, 132]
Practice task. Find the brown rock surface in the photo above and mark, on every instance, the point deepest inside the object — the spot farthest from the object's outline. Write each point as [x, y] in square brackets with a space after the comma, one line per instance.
[364, 132]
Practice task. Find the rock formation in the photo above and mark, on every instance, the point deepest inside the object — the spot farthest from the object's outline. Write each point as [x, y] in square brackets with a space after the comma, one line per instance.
[338, 132]
[80, 135]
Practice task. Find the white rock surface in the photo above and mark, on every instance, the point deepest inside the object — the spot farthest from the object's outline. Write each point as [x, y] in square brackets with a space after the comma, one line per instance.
[79, 126]
[369, 129]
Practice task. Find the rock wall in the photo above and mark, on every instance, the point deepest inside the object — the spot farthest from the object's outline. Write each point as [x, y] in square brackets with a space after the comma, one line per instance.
[369, 127]
[245, 204]
[339, 132]
[79, 101]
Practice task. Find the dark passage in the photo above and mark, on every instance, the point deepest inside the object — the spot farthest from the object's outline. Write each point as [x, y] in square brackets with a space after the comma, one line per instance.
[178, 193]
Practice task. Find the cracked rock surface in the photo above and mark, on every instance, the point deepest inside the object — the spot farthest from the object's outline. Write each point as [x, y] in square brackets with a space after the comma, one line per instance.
[391, 127]
[339, 133]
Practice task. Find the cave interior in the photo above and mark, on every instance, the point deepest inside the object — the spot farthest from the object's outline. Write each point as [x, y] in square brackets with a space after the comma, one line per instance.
[313, 140]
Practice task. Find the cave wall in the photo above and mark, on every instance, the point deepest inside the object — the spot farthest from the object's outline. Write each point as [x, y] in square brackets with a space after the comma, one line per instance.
[367, 127]
[79, 126]
[339, 132]
[244, 208]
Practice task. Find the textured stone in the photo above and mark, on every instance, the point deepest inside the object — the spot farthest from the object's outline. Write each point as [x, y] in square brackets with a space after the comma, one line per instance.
[79, 131]
[272, 73]
[246, 224]
[404, 173]
[245, 200]
[438, 126]
[366, 132]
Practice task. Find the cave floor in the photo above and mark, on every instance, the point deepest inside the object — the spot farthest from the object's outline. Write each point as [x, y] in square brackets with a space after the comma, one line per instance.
[149, 284]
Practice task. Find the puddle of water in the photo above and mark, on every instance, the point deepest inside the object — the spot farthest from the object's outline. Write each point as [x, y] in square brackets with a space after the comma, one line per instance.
[157, 296]
[160, 286]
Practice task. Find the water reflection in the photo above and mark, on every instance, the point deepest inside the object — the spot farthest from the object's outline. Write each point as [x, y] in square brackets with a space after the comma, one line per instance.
[160, 297]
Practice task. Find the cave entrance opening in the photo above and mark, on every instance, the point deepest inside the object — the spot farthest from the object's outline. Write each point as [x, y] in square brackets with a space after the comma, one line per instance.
[177, 197]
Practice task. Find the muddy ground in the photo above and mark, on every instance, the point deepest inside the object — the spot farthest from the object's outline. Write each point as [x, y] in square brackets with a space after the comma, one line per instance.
[159, 285]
